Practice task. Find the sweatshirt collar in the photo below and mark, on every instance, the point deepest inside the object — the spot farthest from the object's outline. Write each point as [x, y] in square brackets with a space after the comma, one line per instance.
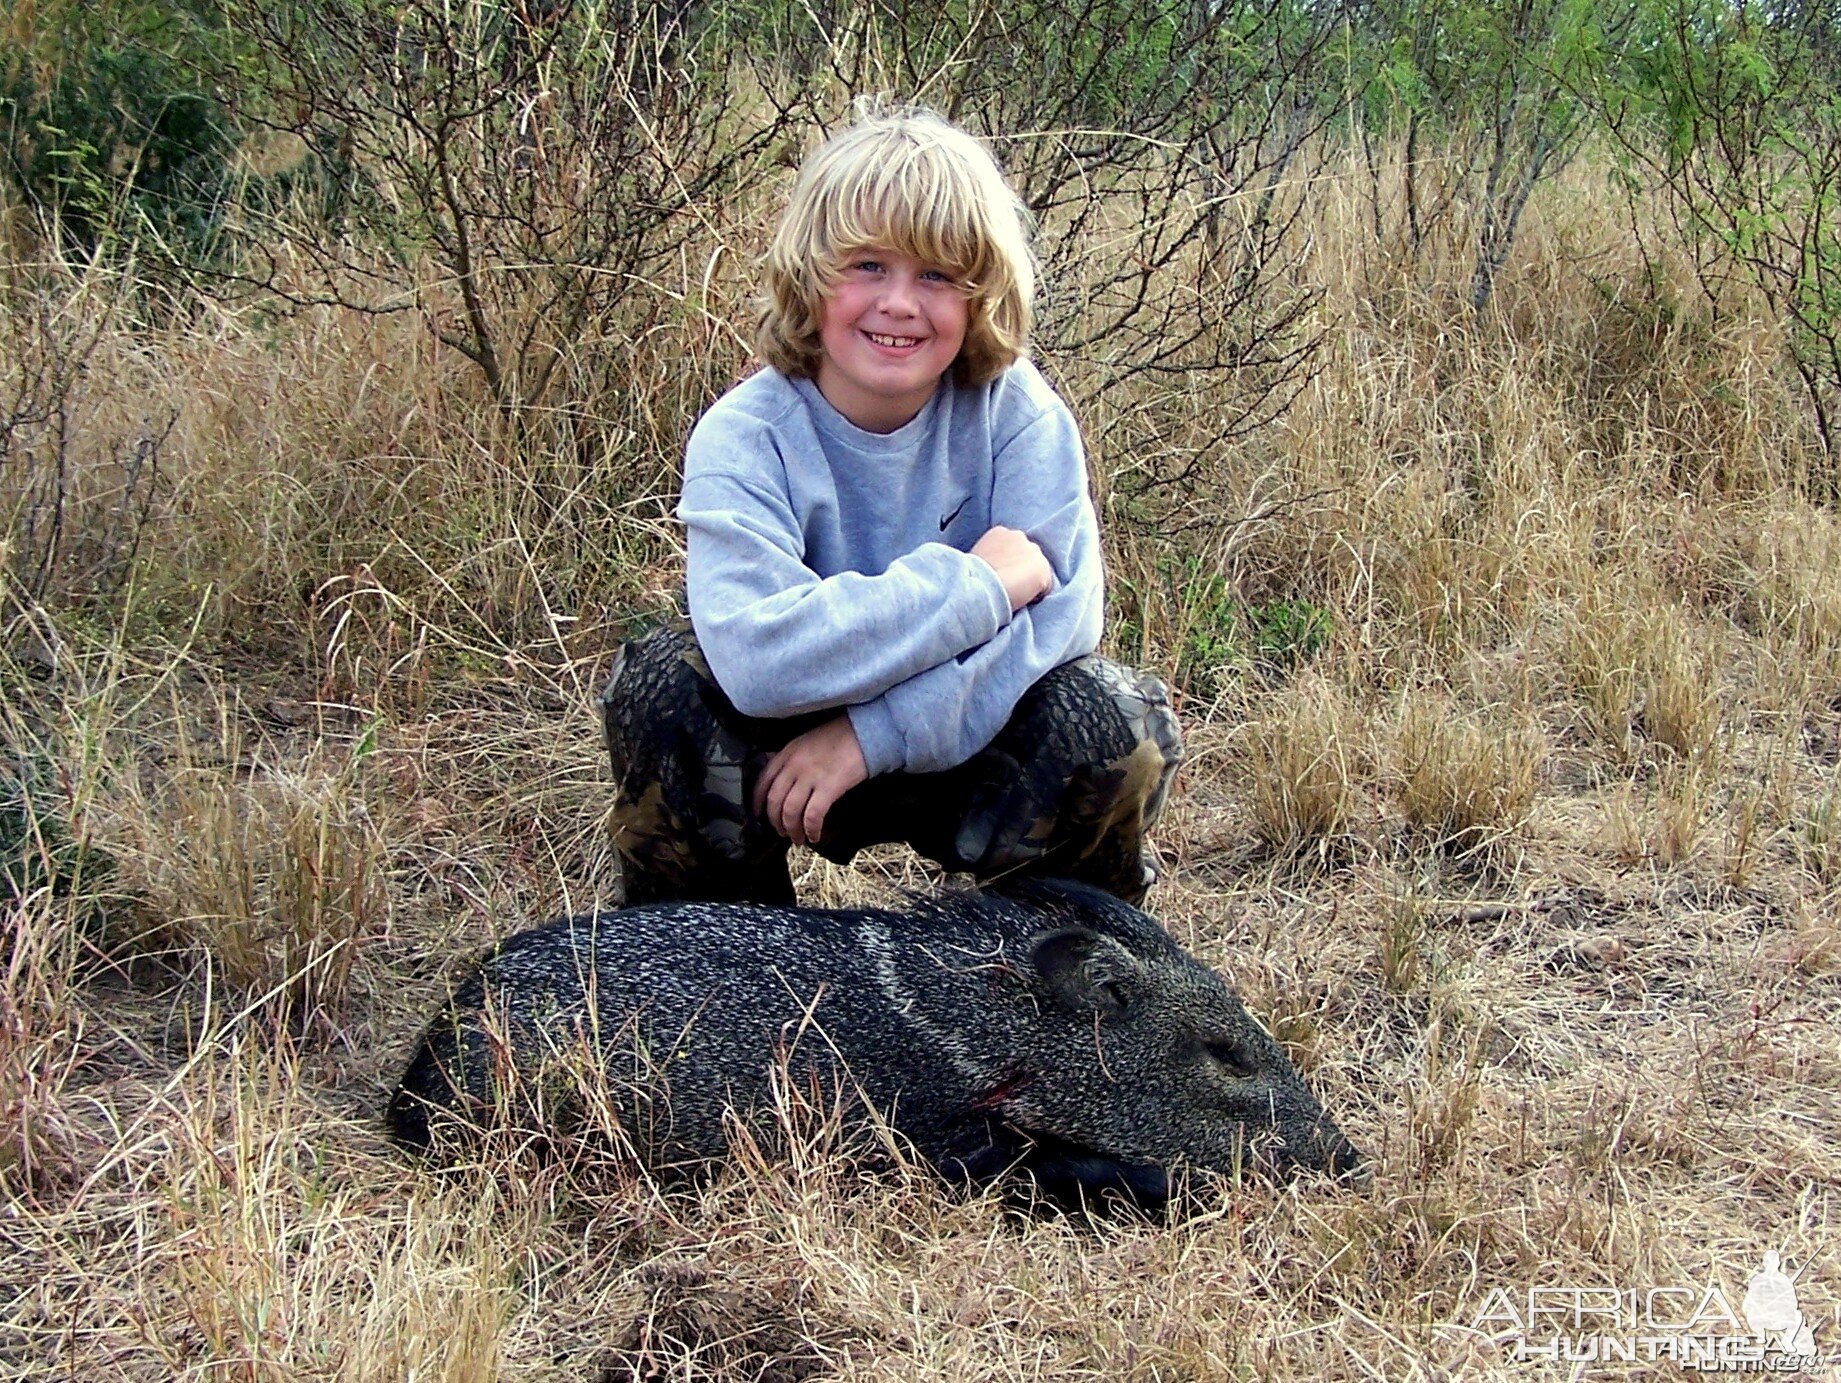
[836, 426]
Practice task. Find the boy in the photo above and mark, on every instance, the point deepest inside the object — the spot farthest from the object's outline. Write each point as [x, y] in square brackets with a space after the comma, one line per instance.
[893, 569]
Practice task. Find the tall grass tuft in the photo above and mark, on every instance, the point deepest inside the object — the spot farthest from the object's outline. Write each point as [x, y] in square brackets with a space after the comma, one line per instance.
[1303, 759]
[277, 874]
[1466, 778]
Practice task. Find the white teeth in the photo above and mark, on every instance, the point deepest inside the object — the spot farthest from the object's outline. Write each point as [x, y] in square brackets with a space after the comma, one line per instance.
[893, 340]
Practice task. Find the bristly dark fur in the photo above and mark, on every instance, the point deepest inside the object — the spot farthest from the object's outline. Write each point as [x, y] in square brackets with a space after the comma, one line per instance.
[1046, 1030]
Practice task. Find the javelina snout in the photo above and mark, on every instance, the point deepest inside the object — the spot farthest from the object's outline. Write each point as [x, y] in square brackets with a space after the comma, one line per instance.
[1049, 1032]
[1160, 1062]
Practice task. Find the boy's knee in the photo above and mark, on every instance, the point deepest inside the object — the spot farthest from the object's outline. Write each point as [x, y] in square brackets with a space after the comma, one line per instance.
[1112, 801]
[1143, 703]
[1076, 778]
[1112, 723]
[652, 687]
[679, 817]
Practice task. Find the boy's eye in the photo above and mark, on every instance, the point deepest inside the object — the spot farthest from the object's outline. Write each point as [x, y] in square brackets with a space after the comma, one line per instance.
[869, 265]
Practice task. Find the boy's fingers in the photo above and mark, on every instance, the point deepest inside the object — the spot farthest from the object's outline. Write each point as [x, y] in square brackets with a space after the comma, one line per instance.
[796, 791]
[816, 810]
[792, 815]
[775, 809]
[764, 783]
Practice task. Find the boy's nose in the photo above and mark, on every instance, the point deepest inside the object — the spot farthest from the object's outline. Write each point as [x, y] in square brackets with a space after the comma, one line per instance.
[898, 294]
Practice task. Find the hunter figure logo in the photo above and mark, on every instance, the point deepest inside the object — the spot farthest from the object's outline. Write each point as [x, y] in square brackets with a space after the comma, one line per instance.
[1770, 1308]
[1694, 1327]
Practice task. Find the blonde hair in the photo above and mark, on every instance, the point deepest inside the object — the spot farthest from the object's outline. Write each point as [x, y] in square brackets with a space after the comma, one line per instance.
[906, 180]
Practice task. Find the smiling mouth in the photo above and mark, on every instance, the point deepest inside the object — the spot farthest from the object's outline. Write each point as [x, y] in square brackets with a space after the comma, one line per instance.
[896, 342]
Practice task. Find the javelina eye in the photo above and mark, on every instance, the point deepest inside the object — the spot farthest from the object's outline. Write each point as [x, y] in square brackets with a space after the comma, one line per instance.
[1232, 1057]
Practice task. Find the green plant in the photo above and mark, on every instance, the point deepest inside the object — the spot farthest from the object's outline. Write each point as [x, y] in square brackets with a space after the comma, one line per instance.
[1497, 90]
[1193, 615]
[1285, 633]
[1212, 642]
[104, 124]
[1736, 111]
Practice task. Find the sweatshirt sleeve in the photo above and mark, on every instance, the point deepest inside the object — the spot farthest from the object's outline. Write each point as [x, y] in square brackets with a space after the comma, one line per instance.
[782, 641]
[944, 715]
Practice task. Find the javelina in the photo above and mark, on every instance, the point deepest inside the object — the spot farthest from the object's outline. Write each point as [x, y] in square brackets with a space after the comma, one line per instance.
[1050, 1031]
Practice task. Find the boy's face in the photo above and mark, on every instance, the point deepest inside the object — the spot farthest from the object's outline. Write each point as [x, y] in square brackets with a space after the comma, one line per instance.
[889, 330]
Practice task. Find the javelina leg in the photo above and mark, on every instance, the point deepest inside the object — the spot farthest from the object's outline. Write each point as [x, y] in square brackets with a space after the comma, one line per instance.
[684, 760]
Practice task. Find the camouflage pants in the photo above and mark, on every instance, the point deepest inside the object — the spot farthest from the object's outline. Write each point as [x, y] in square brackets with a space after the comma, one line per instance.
[1069, 786]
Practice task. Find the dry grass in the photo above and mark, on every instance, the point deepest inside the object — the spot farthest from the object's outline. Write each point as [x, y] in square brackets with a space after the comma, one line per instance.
[1819, 837]
[1794, 580]
[1467, 780]
[1533, 865]
[1301, 768]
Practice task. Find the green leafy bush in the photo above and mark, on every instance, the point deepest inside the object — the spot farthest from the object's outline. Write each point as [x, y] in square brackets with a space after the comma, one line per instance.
[1211, 632]
[103, 122]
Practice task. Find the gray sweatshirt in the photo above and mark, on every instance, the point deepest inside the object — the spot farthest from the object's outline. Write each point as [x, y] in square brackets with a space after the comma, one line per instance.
[830, 566]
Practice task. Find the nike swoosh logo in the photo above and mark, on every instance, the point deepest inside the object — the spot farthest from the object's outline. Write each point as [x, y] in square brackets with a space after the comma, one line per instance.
[955, 513]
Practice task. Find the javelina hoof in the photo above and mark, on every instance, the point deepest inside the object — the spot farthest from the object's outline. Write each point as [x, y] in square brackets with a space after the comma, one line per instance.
[1048, 1032]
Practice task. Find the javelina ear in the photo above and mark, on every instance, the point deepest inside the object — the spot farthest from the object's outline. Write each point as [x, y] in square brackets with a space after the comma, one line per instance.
[1084, 970]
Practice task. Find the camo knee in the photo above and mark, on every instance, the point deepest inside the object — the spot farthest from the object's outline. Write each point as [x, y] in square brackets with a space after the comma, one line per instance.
[1102, 835]
[1076, 779]
[680, 820]
[1144, 775]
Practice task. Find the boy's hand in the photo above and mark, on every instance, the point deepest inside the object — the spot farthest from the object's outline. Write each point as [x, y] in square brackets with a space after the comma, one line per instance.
[801, 782]
[1019, 564]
